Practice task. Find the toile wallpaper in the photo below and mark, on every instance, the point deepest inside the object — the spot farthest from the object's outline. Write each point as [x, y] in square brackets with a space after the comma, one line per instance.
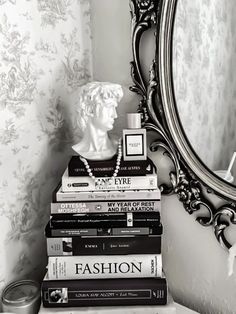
[204, 64]
[45, 57]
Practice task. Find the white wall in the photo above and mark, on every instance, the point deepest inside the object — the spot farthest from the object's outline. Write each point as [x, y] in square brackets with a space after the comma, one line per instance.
[194, 262]
[112, 51]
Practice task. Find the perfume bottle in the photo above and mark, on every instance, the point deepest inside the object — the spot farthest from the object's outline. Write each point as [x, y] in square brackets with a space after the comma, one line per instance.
[134, 139]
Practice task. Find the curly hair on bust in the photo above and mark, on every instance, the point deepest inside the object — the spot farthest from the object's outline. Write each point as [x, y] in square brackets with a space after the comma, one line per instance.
[92, 96]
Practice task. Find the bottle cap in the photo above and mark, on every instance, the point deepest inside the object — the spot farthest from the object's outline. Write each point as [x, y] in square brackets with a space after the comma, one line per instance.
[134, 120]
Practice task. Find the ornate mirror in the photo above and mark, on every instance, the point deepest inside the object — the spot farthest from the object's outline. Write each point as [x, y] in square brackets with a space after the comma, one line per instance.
[185, 104]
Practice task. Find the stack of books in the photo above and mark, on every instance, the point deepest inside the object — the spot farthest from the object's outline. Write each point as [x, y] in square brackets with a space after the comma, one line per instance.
[104, 237]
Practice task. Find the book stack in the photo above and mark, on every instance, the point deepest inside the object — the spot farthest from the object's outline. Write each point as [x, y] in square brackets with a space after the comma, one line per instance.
[104, 237]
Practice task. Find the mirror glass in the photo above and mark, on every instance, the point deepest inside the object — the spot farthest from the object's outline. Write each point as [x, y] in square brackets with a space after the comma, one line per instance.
[204, 77]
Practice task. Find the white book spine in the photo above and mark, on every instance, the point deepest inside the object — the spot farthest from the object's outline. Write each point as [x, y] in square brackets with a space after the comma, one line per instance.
[105, 207]
[102, 196]
[105, 183]
[105, 266]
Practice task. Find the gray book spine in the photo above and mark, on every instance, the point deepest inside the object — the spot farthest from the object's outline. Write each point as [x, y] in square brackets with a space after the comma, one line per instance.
[96, 207]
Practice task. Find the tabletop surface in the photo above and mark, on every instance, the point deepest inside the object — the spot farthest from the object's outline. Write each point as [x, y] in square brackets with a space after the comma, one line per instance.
[174, 308]
[180, 309]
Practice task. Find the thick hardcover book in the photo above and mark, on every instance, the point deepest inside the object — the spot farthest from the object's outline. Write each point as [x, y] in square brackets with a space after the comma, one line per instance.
[115, 231]
[85, 183]
[105, 266]
[105, 207]
[105, 220]
[105, 196]
[104, 292]
[103, 245]
[105, 168]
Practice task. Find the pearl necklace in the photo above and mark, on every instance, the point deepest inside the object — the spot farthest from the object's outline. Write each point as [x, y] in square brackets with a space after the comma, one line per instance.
[117, 168]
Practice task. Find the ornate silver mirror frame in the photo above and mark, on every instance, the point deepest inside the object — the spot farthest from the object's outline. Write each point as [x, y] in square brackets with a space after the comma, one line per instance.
[191, 180]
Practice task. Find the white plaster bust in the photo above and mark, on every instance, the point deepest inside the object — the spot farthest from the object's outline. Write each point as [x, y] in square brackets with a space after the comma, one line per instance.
[96, 114]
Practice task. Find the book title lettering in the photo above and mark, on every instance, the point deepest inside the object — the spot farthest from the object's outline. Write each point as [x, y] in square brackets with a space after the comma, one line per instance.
[111, 181]
[108, 268]
[131, 206]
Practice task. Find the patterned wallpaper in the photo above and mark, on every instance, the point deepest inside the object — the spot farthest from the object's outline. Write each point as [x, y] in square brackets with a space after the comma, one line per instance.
[204, 64]
[45, 57]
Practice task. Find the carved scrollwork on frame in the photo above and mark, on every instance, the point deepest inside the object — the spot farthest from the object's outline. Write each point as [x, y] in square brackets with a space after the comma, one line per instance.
[221, 223]
[184, 180]
[143, 16]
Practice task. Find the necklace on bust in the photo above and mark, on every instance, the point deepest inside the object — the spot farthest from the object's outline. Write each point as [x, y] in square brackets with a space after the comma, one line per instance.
[117, 168]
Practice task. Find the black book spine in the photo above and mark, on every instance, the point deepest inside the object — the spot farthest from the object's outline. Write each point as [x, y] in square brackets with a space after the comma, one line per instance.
[74, 224]
[105, 231]
[106, 168]
[107, 216]
[105, 220]
[104, 292]
[103, 245]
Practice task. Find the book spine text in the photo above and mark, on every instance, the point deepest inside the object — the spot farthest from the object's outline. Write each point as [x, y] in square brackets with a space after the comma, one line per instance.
[102, 196]
[69, 246]
[109, 207]
[108, 266]
[108, 183]
[73, 293]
